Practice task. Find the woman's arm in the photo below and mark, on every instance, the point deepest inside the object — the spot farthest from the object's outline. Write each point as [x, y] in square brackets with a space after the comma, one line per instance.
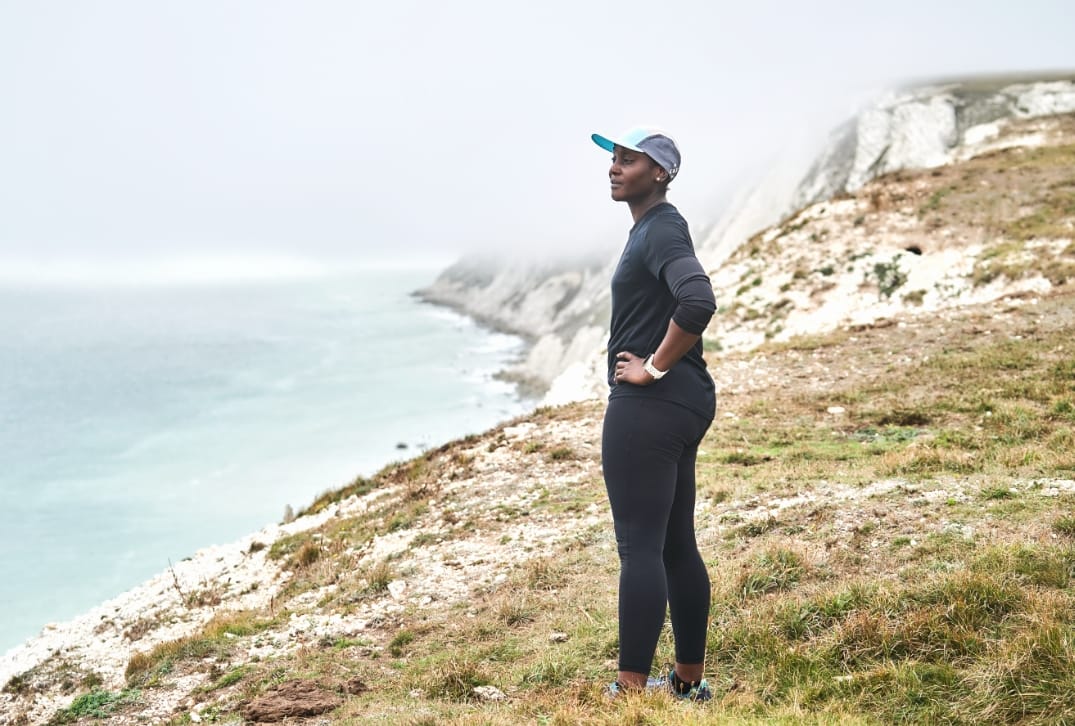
[695, 305]
[675, 345]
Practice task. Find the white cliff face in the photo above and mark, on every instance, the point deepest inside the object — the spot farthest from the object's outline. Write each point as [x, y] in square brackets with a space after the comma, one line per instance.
[561, 308]
[921, 129]
[912, 134]
[1043, 99]
[918, 128]
[564, 309]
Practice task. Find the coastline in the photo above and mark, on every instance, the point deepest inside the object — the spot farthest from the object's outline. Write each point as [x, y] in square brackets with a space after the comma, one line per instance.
[50, 629]
[560, 308]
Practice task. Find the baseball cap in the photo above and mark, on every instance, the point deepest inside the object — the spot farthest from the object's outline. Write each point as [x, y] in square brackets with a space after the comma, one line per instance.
[652, 142]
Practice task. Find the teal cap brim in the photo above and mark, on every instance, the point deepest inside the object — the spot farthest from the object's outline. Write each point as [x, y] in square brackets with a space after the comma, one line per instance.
[610, 144]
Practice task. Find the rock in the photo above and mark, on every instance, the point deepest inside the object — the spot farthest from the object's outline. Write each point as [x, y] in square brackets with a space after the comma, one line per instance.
[489, 693]
[290, 700]
[396, 589]
[558, 637]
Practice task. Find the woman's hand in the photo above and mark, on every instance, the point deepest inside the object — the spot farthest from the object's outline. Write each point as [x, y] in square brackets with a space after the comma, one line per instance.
[629, 370]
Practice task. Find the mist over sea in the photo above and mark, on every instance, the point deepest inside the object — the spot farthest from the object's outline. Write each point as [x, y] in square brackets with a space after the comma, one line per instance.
[140, 423]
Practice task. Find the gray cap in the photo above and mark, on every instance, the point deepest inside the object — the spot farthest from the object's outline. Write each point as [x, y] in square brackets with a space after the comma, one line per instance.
[652, 142]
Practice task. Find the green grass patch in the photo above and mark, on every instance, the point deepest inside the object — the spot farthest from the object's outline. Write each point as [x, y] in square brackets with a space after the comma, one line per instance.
[216, 638]
[358, 487]
[96, 704]
[1065, 525]
[231, 677]
[776, 569]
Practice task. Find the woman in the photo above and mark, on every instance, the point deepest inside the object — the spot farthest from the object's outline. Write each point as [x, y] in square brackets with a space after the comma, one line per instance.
[662, 401]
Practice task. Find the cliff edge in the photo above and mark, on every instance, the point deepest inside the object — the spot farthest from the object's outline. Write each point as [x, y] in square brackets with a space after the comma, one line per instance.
[563, 309]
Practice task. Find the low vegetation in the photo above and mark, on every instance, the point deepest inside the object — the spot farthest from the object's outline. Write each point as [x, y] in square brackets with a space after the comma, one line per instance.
[892, 545]
[887, 512]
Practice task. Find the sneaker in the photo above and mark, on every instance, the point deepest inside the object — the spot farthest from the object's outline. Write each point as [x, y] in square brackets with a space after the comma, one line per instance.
[652, 685]
[698, 692]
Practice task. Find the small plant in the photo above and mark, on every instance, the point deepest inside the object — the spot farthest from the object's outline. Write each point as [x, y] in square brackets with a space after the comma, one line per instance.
[541, 574]
[1063, 409]
[777, 569]
[18, 683]
[550, 674]
[914, 297]
[308, 554]
[890, 277]
[744, 458]
[288, 545]
[758, 527]
[98, 703]
[204, 596]
[401, 640]
[230, 678]
[934, 201]
[1065, 526]
[358, 487]
[423, 539]
[516, 610]
[378, 576]
[456, 680]
[562, 453]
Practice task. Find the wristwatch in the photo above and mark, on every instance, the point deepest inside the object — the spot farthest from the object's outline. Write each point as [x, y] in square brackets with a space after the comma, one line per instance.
[648, 367]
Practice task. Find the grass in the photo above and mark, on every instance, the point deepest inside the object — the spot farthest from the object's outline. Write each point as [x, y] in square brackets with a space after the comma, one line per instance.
[941, 598]
[907, 559]
[96, 704]
[216, 638]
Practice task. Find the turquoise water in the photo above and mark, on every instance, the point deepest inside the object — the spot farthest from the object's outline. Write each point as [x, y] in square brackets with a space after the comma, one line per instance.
[139, 424]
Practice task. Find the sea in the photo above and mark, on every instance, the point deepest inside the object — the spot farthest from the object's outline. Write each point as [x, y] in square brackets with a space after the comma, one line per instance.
[141, 422]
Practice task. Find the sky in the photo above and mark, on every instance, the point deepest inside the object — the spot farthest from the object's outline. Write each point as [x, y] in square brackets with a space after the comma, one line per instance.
[317, 132]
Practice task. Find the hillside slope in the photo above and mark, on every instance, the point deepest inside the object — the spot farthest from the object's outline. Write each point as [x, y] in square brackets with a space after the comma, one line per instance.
[888, 514]
[886, 504]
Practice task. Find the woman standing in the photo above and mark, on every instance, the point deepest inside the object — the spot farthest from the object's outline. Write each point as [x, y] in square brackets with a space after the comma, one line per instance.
[661, 403]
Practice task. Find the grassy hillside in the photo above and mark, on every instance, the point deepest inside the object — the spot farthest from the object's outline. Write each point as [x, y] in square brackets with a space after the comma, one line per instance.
[887, 511]
[888, 515]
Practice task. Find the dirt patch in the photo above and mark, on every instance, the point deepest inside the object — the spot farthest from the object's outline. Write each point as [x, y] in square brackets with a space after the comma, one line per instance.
[293, 699]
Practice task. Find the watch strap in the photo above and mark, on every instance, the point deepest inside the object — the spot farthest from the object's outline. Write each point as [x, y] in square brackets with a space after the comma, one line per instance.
[652, 369]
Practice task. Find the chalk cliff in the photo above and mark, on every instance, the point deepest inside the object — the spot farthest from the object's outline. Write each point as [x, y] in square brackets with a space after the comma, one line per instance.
[563, 308]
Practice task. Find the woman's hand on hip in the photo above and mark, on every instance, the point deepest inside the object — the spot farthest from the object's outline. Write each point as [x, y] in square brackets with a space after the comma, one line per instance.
[629, 370]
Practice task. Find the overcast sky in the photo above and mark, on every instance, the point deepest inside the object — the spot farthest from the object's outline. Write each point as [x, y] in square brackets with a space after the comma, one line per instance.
[333, 130]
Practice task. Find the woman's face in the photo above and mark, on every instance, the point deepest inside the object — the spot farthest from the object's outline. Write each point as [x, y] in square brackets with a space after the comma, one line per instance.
[633, 175]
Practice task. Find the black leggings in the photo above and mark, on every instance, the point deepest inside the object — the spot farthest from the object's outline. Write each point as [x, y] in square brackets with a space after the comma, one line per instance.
[648, 451]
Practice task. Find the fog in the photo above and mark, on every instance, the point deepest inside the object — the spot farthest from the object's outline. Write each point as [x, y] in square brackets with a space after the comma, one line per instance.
[316, 133]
